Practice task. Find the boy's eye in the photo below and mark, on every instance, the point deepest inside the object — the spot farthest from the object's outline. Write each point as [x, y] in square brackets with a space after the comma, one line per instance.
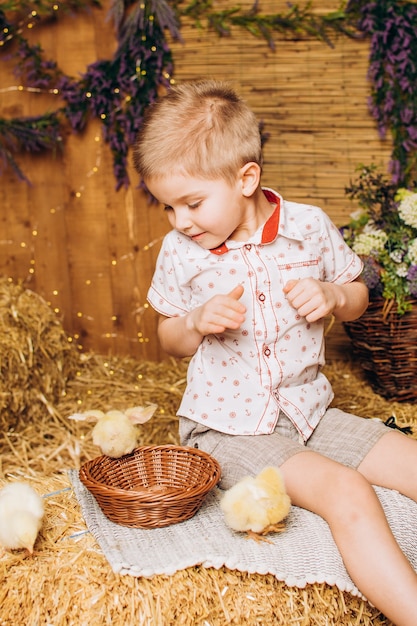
[167, 207]
[195, 205]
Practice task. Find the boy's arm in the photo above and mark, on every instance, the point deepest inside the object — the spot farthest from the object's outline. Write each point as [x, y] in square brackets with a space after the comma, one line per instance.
[177, 337]
[314, 299]
[352, 300]
[180, 336]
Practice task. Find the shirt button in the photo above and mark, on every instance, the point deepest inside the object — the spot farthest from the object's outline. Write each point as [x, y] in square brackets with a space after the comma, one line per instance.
[248, 246]
[261, 297]
[267, 351]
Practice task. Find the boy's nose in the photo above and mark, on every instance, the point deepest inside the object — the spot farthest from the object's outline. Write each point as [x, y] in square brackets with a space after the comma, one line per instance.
[182, 221]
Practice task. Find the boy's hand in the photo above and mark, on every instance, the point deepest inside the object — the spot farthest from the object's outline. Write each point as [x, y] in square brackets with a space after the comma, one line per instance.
[312, 298]
[218, 313]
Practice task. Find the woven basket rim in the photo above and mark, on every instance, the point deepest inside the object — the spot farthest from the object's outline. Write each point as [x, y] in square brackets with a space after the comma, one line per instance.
[90, 482]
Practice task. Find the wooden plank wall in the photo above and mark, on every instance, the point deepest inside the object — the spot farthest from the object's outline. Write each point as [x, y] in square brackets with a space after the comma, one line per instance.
[90, 251]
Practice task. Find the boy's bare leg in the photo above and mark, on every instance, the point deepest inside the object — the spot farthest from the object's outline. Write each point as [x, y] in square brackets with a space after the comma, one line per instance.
[392, 463]
[347, 501]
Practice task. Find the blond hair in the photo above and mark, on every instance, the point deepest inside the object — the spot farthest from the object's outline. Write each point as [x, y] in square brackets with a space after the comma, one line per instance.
[201, 128]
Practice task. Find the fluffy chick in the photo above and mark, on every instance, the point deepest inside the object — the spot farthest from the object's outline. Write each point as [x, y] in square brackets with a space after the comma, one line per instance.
[257, 505]
[115, 432]
[21, 515]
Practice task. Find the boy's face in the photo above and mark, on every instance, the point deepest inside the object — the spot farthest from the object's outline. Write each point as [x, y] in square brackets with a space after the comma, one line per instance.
[207, 211]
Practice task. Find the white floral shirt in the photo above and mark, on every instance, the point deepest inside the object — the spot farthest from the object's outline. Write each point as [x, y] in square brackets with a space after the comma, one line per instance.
[239, 380]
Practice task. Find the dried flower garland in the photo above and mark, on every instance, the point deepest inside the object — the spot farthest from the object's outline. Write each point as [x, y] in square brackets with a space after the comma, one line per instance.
[392, 27]
[117, 91]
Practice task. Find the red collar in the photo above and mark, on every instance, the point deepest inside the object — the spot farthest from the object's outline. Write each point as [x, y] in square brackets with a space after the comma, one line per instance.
[270, 229]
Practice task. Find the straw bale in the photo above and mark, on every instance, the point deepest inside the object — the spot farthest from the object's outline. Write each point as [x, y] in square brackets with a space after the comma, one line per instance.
[68, 581]
[36, 358]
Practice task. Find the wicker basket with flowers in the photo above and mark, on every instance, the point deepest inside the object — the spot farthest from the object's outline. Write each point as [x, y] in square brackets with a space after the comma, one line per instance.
[383, 232]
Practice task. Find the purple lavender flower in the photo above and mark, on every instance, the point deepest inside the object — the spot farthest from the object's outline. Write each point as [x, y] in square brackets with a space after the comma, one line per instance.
[412, 280]
[371, 275]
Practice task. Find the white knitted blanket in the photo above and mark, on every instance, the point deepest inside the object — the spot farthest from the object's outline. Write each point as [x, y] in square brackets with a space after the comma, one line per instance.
[304, 553]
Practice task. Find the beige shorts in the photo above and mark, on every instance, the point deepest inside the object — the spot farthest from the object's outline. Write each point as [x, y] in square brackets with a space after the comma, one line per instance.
[340, 436]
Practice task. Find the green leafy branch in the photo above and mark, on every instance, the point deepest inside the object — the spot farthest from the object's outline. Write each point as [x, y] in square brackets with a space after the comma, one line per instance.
[296, 22]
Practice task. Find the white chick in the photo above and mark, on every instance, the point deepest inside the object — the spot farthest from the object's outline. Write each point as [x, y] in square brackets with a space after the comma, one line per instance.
[116, 433]
[21, 515]
[257, 505]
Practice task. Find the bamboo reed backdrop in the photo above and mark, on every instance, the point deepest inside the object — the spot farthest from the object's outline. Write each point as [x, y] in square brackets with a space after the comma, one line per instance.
[89, 251]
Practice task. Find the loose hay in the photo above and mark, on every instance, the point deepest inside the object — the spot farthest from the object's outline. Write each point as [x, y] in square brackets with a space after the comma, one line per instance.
[36, 358]
[69, 582]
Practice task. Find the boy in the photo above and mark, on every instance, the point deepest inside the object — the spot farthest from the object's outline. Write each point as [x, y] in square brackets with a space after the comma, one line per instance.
[243, 283]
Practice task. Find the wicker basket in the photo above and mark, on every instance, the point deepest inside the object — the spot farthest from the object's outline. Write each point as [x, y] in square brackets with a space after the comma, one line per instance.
[385, 345]
[154, 486]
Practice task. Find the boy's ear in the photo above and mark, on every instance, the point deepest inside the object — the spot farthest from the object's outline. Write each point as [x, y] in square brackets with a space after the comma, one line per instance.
[250, 176]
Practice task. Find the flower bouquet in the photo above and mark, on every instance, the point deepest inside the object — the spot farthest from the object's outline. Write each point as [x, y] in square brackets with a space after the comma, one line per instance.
[383, 232]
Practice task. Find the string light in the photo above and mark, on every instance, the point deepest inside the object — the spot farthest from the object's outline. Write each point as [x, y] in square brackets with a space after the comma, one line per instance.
[55, 293]
[30, 21]
[54, 92]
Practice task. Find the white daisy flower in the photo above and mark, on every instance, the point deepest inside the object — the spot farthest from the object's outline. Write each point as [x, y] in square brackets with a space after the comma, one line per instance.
[368, 243]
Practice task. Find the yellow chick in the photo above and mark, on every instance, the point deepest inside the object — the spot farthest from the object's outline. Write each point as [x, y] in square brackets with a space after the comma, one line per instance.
[115, 432]
[21, 515]
[257, 505]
